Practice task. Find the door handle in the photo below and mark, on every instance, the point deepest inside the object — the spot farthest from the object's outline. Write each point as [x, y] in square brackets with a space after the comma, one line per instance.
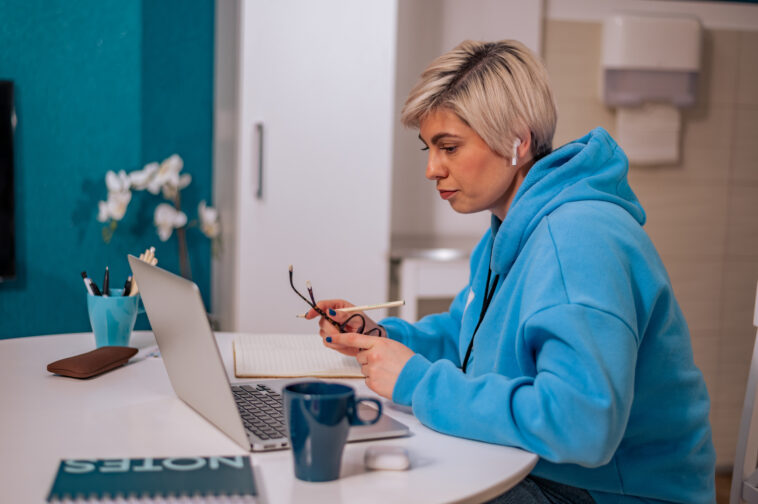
[259, 132]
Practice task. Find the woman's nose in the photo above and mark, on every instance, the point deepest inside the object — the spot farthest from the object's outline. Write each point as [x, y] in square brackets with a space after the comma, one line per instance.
[434, 168]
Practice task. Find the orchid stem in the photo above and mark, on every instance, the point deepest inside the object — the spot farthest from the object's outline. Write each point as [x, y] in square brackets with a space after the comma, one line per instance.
[181, 238]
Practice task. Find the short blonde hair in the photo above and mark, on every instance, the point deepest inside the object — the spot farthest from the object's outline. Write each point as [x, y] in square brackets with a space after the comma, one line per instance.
[499, 89]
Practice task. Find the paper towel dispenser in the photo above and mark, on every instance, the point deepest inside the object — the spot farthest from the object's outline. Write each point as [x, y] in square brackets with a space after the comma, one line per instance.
[649, 58]
[650, 68]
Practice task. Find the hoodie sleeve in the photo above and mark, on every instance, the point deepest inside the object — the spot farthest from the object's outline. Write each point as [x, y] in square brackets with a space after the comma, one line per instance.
[434, 336]
[579, 367]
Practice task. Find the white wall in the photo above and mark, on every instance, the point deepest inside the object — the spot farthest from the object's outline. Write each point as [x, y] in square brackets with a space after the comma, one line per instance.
[418, 42]
[492, 20]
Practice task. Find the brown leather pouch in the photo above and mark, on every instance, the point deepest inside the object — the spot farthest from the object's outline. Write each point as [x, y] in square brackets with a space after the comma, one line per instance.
[92, 363]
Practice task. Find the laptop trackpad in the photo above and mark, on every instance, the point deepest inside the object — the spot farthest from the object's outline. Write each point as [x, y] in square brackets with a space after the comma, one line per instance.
[386, 426]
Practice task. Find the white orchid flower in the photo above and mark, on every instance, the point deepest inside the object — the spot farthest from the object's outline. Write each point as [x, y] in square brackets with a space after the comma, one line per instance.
[167, 173]
[167, 218]
[116, 183]
[119, 196]
[184, 181]
[209, 223]
[174, 184]
[117, 204]
[167, 178]
[160, 177]
[169, 192]
[140, 179]
[173, 164]
[102, 211]
[154, 184]
[115, 207]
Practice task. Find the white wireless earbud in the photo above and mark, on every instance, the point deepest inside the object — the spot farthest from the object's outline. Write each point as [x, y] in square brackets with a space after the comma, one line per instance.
[516, 143]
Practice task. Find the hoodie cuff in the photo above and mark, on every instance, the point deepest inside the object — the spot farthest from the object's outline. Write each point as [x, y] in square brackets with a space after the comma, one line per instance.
[409, 376]
[392, 327]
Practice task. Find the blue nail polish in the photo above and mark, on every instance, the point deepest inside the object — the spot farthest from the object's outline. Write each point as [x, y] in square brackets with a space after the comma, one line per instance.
[332, 312]
[328, 339]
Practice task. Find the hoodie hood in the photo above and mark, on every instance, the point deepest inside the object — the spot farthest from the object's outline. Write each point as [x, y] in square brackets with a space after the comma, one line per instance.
[591, 168]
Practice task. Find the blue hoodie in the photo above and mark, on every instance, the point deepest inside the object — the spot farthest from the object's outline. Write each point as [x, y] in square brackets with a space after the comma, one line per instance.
[583, 356]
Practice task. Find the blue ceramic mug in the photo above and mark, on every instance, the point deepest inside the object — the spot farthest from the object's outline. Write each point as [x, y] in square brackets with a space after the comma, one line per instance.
[318, 417]
[113, 317]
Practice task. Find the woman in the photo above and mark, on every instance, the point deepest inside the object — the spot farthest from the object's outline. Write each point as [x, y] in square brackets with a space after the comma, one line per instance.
[568, 341]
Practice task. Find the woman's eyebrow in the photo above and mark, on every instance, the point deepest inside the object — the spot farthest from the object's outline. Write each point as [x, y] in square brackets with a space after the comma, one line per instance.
[439, 136]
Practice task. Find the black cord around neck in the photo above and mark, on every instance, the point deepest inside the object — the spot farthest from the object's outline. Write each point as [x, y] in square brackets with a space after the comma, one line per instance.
[488, 295]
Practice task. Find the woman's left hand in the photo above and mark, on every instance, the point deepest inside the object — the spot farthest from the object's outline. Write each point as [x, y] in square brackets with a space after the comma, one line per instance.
[381, 359]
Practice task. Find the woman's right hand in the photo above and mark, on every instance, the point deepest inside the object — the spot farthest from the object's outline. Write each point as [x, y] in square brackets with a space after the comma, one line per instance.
[354, 325]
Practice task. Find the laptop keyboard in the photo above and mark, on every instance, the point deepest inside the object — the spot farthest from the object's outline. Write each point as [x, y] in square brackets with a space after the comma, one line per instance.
[261, 410]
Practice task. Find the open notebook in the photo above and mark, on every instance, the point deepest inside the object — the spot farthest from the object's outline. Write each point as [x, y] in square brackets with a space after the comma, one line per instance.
[289, 356]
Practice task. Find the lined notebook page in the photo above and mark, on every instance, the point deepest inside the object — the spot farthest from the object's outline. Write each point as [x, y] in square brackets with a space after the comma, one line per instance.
[289, 356]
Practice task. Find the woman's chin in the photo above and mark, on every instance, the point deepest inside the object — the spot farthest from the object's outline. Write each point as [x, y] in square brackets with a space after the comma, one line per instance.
[462, 208]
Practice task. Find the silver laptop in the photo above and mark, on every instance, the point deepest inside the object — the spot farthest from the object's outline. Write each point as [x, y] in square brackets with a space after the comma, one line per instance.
[249, 412]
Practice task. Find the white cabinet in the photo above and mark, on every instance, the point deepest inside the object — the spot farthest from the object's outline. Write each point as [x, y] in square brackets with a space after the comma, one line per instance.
[305, 100]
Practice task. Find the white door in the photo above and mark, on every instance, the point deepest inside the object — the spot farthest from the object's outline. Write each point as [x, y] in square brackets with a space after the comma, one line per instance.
[317, 81]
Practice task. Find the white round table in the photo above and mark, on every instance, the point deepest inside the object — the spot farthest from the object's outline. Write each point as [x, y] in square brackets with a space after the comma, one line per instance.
[133, 412]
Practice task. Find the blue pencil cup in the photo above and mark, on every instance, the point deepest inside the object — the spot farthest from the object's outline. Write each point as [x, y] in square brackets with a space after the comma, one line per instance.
[113, 317]
[318, 416]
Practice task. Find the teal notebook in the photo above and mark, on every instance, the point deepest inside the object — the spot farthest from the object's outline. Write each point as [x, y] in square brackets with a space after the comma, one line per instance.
[192, 479]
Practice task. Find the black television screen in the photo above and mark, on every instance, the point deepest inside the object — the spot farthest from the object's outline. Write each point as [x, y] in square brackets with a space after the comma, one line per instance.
[7, 235]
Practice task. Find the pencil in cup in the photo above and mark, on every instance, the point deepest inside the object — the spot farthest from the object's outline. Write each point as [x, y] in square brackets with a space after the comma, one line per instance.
[147, 256]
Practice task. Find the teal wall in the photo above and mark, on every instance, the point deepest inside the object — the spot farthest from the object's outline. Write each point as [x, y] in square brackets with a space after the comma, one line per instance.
[100, 85]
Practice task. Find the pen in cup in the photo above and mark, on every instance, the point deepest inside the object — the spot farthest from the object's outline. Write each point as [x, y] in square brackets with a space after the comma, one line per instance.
[91, 287]
[106, 290]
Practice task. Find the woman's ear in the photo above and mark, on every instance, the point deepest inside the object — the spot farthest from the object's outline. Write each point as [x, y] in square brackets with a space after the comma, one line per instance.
[515, 156]
[522, 149]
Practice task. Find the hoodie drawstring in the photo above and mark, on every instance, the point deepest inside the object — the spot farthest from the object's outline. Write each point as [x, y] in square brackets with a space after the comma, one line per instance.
[488, 295]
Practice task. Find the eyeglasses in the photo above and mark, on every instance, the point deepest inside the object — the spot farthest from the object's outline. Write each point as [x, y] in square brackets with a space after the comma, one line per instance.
[341, 327]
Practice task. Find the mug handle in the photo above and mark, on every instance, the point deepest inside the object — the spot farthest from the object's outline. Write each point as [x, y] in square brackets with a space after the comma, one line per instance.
[356, 420]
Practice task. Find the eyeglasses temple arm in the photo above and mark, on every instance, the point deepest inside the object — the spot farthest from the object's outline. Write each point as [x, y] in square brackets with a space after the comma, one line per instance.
[313, 305]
